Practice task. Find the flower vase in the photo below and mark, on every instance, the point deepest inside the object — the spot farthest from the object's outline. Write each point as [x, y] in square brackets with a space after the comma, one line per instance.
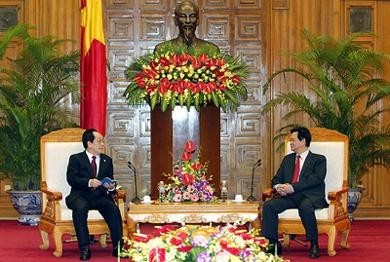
[28, 204]
[354, 197]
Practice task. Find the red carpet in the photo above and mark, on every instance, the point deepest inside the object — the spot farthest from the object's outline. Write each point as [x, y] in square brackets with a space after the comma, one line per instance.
[369, 241]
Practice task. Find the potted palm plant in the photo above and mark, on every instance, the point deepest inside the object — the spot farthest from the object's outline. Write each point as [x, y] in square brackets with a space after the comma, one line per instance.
[347, 95]
[32, 90]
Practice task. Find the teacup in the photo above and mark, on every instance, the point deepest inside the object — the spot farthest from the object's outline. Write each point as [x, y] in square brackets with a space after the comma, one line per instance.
[238, 198]
[147, 199]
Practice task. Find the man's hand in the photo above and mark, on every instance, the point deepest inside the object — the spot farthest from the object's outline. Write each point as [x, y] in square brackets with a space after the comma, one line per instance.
[95, 182]
[109, 186]
[285, 189]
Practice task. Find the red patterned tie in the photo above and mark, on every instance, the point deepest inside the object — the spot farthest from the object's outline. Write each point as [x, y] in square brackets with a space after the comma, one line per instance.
[296, 170]
[94, 166]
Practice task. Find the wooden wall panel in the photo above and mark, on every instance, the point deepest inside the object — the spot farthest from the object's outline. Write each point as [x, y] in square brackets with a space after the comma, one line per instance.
[55, 17]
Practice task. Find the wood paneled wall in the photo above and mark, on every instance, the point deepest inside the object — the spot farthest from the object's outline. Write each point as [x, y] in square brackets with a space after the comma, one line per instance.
[284, 23]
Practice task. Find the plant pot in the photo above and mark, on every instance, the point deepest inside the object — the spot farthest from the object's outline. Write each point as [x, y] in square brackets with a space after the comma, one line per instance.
[354, 197]
[28, 204]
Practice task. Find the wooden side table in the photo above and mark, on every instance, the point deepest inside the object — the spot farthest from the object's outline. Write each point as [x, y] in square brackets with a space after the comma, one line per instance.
[193, 213]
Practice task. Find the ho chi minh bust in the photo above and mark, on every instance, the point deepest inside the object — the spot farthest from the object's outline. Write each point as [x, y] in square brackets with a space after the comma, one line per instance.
[187, 19]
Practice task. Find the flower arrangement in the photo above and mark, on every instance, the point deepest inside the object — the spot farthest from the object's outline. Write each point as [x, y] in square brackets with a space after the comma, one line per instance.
[198, 243]
[189, 181]
[185, 78]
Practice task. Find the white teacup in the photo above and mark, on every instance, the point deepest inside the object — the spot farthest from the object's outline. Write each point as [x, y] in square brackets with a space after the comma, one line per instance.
[238, 198]
[147, 199]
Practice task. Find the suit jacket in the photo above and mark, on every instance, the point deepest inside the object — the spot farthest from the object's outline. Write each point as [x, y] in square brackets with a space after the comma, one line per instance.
[79, 173]
[311, 179]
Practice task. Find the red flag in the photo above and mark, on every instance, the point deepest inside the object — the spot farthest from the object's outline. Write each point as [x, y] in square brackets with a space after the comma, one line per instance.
[93, 76]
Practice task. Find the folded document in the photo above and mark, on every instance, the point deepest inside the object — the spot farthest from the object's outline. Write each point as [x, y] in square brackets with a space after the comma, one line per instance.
[108, 180]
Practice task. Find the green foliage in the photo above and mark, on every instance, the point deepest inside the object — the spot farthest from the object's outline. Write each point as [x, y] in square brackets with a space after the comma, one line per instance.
[348, 97]
[32, 89]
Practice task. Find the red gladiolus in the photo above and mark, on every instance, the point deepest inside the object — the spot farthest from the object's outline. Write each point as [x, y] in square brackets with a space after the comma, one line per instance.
[260, 241]
[220, 62]
[233, 250]
[196, 63]
[197, 166]
[236, 79]
[139, 79]
[203, 58]
[157, 254]
[164, 61]
[189, 146]
[164, 86]
[164, 229]
[186, 156]
[140, 237]
[223, 244]
[187, 179]
[175, 58]
[246, 236]
[184, 249]
[176, 241]
[183, 235]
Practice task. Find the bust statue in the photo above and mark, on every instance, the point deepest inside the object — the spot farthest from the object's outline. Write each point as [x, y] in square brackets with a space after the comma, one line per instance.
[187, 19]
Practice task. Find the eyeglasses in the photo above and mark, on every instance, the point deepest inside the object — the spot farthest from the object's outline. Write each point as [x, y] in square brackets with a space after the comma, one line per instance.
[98, 141]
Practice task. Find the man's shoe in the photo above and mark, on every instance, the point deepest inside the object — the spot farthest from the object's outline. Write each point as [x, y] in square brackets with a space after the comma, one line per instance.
[85, 254]
[274, 249]
[314, 250]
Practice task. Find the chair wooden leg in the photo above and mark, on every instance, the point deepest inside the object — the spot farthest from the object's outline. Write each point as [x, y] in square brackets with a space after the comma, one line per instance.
[344, 236]
[331, 241]
[103, 240]
[286, 240]
[45, 240]
[57, 235]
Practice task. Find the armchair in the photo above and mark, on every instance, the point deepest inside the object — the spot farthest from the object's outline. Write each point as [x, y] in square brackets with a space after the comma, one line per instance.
[56, 147]
[333, 219]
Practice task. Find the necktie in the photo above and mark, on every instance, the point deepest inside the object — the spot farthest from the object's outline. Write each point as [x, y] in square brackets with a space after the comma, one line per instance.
[94, 166]
[296, 169]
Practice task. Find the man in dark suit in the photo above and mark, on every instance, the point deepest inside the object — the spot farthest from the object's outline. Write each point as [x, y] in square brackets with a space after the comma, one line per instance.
[305, 191]
[85, 170]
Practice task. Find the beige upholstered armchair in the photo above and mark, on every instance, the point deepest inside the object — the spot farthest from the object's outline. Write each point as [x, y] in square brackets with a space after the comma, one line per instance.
[333, 219]
[56, 147]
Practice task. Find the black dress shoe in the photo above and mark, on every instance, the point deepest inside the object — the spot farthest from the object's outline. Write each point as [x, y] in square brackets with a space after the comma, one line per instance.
[314, 250]
[85, 254]
[274, 249]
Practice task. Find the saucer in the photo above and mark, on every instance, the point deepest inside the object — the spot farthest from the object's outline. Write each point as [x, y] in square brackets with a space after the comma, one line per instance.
[238, 201]
[147, 202]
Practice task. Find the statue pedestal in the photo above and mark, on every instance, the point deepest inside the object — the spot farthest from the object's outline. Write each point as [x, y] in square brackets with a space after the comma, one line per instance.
[171, 129]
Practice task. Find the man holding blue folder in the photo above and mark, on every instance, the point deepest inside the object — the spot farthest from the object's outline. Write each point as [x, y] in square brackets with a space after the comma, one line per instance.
[85, 173]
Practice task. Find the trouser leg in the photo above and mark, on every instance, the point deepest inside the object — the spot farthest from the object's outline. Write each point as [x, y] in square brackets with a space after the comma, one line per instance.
[307, 213]
[80, 208]
[112, 216]
[271, 209]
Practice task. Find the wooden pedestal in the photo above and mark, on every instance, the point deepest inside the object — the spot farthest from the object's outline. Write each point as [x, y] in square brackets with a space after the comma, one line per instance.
[165, 125]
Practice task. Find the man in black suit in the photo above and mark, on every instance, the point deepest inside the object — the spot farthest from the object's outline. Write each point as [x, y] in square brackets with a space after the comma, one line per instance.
[305, 191]
[85, 170]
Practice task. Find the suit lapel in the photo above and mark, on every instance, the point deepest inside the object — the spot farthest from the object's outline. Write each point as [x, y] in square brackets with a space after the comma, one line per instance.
[307, 162]
[86, 160]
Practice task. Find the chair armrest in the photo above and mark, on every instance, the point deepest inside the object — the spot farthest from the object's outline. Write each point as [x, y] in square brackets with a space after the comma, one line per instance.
[337, 195]
[267, 193]
[336, 207]
[121, 194]
[53, 206]
[52, 195]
